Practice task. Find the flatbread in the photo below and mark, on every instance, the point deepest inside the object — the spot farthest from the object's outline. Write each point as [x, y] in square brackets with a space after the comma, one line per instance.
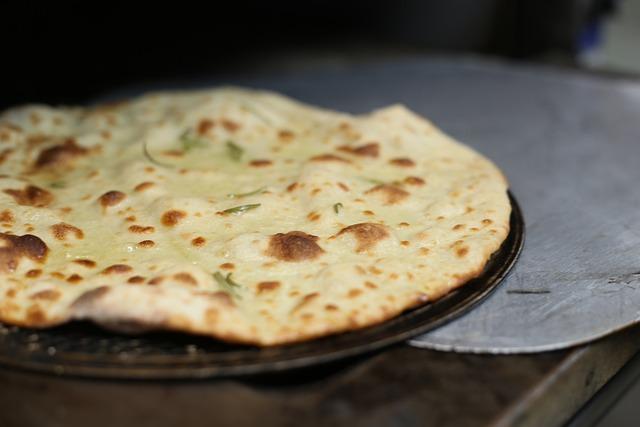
[238, 214]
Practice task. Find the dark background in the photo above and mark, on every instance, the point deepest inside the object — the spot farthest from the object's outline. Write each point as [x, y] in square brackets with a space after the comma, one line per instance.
[70, 52]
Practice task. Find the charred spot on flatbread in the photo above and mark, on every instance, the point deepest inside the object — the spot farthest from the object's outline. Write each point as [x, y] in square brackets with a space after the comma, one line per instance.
[294, 246]
[111, 198]
[31, 196]
[60, 155]
[14, 248]
[371, 149]
[390, 194]
[367, 234]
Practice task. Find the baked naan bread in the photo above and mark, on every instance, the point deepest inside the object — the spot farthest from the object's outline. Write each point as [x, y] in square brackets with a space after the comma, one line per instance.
[242, 215]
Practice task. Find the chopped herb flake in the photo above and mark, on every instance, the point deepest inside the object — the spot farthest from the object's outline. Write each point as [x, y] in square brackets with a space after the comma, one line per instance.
[240, 209]
[145, 151]
[234, 151]
[373, 181]
[227, 283]
[58, 184]
[255, 112]
[337, 207]
[250, 193]
[190, 141]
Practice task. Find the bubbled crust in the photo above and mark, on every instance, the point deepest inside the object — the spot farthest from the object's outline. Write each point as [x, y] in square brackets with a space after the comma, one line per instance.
[236, 214]
[294, 246]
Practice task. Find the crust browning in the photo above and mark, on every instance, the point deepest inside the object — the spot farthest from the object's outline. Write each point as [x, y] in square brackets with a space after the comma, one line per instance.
[60, 155]
[294, 246]
[366, 234]
[14, 248]
[390, 194]
[31, 196]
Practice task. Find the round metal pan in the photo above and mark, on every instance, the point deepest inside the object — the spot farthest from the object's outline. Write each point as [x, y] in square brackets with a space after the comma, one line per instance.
[83, 349]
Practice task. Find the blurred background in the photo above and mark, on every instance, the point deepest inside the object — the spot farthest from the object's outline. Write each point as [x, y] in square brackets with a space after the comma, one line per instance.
[70, 52]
